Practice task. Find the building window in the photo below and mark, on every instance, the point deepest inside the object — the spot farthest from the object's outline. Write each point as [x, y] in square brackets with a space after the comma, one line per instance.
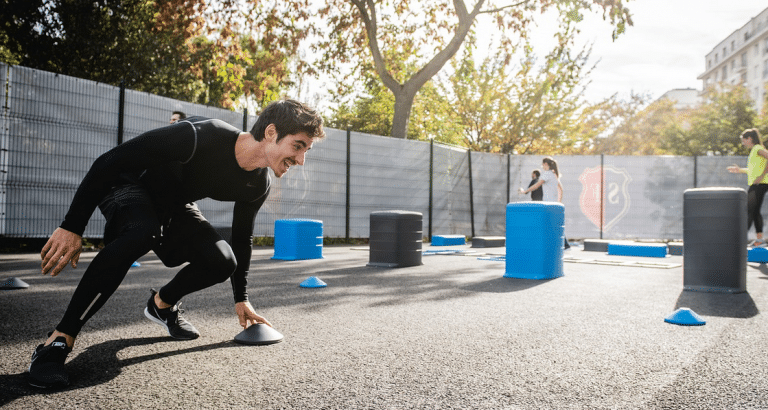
[725, 72]
[744, 60]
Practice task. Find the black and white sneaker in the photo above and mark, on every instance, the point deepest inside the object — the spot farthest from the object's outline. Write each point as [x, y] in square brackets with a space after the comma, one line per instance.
[47, 367]
[171, 319]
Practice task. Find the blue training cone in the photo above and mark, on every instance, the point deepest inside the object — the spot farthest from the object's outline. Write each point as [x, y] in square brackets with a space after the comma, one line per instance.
[135, 264]
[685, 317]
[313, 282]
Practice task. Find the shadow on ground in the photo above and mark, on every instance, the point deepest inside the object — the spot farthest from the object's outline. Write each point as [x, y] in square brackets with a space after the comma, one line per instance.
[504, 285]
[735, 305]
[102, 356]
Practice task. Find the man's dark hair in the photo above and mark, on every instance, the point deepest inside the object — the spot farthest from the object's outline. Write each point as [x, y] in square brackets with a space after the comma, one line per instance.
[290, 117]
[752, 134]
[537, 173]
[181, 114]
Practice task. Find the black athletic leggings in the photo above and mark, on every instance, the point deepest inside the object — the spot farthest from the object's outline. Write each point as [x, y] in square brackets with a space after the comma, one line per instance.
[755, 196]
[133, 229]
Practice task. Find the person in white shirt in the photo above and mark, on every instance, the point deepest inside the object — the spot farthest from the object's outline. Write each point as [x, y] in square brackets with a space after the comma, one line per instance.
[550, 184]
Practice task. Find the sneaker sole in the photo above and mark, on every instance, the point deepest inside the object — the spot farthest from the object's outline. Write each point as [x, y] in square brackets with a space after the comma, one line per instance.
[161, 323]
[34, 383]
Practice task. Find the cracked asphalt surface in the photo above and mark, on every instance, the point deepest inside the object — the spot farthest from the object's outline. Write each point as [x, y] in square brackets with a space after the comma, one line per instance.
[451, 333]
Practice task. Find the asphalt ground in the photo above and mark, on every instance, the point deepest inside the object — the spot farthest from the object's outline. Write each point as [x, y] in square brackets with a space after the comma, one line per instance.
[451, 333]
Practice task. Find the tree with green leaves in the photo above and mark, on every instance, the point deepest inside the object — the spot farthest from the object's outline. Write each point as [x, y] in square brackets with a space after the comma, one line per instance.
[713, 127]
[637, 127]
[219, 53]
[372, 112]
[428, 34]
[532, 107]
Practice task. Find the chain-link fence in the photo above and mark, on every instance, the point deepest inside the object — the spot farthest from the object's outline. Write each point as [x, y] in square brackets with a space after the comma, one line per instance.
[53, 127]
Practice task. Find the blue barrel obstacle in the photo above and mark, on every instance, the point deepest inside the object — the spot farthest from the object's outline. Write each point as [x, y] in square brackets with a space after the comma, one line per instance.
[297, 239]
[534, 241]
[715, 240]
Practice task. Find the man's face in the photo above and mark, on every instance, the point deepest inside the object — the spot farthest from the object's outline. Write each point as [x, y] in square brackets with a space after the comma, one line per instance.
[287, 152]
[175, 117]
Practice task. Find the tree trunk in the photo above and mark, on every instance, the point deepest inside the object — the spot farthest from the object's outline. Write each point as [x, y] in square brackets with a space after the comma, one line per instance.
[406, 92]
[403, 106]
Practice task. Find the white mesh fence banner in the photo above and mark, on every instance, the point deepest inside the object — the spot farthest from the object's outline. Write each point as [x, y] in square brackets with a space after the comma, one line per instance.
[54, 127]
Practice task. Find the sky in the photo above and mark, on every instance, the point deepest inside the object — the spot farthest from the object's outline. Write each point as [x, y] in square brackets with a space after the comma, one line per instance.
[666, 47]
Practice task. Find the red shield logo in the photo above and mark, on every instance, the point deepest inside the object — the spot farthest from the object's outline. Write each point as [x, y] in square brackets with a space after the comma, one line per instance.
[607, 193]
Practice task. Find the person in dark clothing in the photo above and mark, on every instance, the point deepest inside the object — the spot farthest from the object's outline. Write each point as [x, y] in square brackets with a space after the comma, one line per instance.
[538, 193]
[177, 116]
[146, 188]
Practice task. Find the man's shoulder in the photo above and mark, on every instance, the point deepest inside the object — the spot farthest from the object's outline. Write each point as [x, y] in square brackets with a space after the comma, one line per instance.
[211, 124]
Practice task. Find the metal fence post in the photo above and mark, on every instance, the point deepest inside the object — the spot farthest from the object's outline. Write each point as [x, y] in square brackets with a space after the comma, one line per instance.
[121, 113]
[695, 171]
[509, 164]
[602, 195]
[245, 119]
[471, 195]
[431, 171]
[349, 135]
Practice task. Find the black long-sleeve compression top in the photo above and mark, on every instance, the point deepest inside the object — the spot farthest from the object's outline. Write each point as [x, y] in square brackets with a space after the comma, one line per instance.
[181, 163]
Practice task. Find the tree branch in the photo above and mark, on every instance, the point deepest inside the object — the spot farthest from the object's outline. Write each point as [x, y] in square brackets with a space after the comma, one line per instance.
[371, 28]
[438, 61]
[503, 8]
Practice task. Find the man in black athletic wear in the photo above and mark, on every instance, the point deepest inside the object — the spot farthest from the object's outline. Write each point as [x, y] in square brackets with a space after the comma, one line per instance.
[146, 189]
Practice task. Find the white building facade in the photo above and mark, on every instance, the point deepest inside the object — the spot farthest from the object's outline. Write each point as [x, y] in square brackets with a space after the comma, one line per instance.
[742, 59]
[684, 98]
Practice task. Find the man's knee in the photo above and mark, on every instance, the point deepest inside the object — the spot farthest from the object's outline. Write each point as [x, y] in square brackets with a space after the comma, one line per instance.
[223, 262]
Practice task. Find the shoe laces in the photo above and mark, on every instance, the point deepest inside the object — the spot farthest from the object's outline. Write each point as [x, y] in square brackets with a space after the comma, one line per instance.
[52, 353]
[176, 310]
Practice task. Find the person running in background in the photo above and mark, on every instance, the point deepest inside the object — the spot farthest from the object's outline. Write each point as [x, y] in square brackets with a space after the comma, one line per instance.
[549, 182]
[756, 171]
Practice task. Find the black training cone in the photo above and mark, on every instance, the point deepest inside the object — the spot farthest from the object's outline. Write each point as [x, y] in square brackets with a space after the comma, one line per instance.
[13, 283]
[259, 334]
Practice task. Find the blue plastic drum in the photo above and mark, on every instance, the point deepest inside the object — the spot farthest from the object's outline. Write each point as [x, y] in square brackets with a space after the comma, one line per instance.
[298, 239]
[535, 240]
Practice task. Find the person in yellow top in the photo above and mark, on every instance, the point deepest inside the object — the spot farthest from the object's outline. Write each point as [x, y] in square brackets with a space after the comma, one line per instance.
[756, 171]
